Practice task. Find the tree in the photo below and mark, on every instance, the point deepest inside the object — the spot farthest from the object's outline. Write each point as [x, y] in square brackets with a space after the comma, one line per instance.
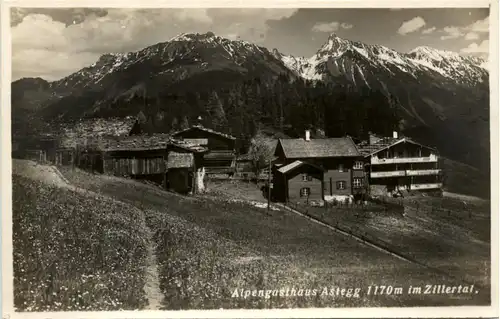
[141, 117]
[260, 153]
[184, 123]
[175, 124]
[216, 111]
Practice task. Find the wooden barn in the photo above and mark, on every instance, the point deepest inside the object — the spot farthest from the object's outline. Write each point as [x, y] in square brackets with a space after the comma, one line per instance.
[156, 158]
[319, 169]
[398, 164]
[221, 155]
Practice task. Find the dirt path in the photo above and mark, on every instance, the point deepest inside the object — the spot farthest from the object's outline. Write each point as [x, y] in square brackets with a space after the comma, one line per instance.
[152, 286]
[52, 176]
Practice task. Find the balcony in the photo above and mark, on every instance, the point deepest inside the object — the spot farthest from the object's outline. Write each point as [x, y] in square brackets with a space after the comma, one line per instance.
[421, 172]
[387, 174]
[400, 160]
[426, 186]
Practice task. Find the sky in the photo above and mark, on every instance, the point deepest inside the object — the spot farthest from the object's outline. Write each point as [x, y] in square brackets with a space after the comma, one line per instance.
[53, 43]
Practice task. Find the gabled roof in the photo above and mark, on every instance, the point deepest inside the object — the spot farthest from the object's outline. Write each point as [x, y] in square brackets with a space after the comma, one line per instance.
[367, 149]
[220, 154]
[195, 148]
[289, 167]
[145, 142]
[319, 148]
[205, 129]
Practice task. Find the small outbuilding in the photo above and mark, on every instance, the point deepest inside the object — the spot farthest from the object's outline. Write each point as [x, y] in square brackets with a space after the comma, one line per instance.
[299, 181]
[180, 172]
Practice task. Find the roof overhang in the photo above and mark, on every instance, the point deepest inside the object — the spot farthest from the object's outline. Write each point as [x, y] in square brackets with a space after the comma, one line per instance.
[405, 140]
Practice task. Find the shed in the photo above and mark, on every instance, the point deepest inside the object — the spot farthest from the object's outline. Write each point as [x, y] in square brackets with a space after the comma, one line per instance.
[298, 181]
[180, 171]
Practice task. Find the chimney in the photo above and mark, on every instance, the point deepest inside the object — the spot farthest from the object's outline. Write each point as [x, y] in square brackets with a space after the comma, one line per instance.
[394, 134]
[308, 135]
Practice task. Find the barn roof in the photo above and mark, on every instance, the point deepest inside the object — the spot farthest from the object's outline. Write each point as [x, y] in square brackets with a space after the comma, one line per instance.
[367, 149]
[319, 148]
[219, 154]
[144, 143]
[180, 160]
[88, 129]
[205, 129]
[289, 167]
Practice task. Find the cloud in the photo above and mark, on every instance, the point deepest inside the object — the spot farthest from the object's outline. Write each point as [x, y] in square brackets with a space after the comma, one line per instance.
[247, 24]
[66, 15]
[326, 27]
[478, 49]
[471, 31]
[471, 36]
[411, 25]
[65, 47]
[330, 26]
[480, 25]
[452, 33]
[346, 25]
[429, 30]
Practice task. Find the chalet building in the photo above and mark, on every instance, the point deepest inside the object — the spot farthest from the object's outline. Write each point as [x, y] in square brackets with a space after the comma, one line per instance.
[397, 164]
[221, 155]
[321, 169]
[175, 165]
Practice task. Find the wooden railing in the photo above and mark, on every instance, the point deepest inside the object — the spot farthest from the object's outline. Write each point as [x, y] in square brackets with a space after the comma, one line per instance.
[399, 160]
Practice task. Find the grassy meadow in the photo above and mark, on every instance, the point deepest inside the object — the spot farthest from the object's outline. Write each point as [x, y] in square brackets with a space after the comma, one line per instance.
[73, 252]
[208, 247]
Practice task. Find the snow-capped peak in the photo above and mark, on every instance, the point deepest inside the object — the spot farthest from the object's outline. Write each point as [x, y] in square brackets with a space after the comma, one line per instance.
[179, 37]
[333, 57]
[435, 54]
[334, 45]
[208, 36]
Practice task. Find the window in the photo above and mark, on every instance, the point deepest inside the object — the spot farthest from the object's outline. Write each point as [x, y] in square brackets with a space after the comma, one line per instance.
[358, 165]
[357, 182]
[341, 167]
[341, 185]
[306, 178]
[305, 192]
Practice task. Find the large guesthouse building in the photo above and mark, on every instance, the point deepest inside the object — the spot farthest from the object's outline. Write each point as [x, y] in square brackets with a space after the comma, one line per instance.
[398, 164]
[323, 169]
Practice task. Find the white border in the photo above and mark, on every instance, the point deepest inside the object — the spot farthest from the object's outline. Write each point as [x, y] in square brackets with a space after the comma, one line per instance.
[414, 312]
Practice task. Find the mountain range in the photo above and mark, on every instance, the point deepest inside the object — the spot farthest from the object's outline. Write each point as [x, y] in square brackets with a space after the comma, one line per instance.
[443, 97]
